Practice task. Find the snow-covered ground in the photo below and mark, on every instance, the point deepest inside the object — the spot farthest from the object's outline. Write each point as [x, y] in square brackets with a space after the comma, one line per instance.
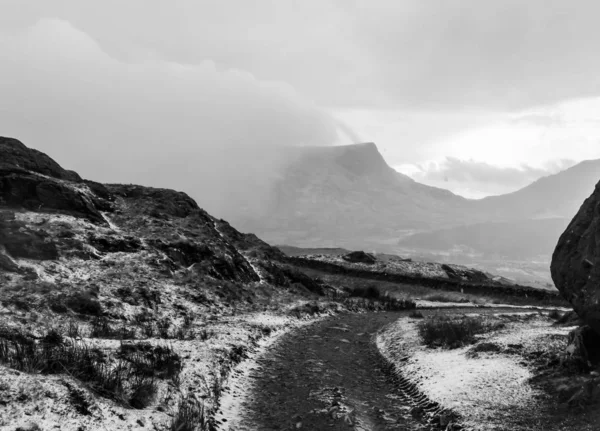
[484, 390]
[46, 400]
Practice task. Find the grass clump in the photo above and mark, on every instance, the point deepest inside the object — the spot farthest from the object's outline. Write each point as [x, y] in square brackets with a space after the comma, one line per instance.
[452, 332]
[446, 297]
[152, 361]
[368, 292]
[190, 416]
[126, 382]
[101, 328]
[484, 347]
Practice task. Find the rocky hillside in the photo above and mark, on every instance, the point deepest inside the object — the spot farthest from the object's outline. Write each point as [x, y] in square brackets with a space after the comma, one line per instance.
[57, 227]
[119, 303]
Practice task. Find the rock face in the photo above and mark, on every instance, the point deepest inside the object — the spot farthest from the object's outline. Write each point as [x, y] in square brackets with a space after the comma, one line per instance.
[359, 257]
[576, 262]
[16, 154]
[32, 180]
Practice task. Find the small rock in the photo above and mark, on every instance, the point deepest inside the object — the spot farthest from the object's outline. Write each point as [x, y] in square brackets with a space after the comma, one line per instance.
[30, 426]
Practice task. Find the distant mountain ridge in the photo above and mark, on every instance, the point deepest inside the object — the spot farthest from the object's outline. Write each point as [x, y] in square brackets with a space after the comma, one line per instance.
[348, 196]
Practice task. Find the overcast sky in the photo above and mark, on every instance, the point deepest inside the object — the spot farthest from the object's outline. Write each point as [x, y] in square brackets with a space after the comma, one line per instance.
[477, 96]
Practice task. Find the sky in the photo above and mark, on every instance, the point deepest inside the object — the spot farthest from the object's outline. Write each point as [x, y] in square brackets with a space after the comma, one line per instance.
[478, 97]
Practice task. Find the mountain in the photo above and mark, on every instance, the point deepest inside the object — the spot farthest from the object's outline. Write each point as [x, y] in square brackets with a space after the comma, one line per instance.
[347, 196]
[558, 195]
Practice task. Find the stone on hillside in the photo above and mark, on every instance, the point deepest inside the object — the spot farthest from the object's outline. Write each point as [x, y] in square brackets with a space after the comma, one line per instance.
[576, 262]
[6, 264]
[20, 241]
[360, 257]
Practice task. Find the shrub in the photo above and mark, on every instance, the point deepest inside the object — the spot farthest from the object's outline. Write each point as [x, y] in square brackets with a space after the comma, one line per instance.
[84, 303]
[555, 314]
[483, 348]
[53, 355]
[190, 416]
[101, 328]
[440, 297]
[163, 326]
[451, 332]
[143, 392]
[73, 329]
[152, 361]
[205, 334]
[369, 292]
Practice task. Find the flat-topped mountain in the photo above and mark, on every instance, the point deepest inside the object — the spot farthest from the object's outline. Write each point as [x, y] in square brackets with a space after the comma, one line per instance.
[347, 196]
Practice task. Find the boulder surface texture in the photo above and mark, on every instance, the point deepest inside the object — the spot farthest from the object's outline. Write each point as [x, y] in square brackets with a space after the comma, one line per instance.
[576, 262]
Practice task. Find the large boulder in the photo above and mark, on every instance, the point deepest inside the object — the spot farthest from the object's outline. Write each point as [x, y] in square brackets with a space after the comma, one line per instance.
[576, 262]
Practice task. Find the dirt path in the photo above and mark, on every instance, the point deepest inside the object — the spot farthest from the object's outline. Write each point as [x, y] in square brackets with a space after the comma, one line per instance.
[326, 376]
[330, 376]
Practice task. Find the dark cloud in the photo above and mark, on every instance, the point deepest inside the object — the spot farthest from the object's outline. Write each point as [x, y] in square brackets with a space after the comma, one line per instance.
[477, 179]
[442, 53]
[200, 128]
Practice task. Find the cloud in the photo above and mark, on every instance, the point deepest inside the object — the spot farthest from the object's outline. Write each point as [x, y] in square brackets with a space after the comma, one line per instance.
[508, 54]
[201, 128]
[476, 179]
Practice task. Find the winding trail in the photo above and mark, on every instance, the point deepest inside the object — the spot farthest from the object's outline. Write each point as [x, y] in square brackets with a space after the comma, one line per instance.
[327, 376]
[330, 376]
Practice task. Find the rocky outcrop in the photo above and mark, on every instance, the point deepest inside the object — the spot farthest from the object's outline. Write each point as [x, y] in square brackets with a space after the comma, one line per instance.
[20, 241]
[359, 257]
[16, 155]
[576, 262]
[31, 180]
[465, 274]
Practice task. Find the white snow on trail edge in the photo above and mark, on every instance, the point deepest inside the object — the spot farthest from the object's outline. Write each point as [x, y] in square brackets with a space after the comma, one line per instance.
[482, 390]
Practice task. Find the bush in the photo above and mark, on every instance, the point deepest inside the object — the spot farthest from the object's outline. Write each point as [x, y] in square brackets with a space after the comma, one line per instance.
[101, 328]
[555, 314]
[369, 292]
[152, 361]
[451, 297]
[190, 416]
[84, 303]
[483, 348]
[451, 332]
[121, 382]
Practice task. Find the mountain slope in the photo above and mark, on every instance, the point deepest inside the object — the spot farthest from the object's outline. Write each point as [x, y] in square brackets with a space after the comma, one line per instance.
[349, 197]
[558, 195]
[113, 295]
[344, 196]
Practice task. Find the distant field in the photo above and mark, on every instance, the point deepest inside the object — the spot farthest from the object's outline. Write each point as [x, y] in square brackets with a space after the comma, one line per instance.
[414, 291]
